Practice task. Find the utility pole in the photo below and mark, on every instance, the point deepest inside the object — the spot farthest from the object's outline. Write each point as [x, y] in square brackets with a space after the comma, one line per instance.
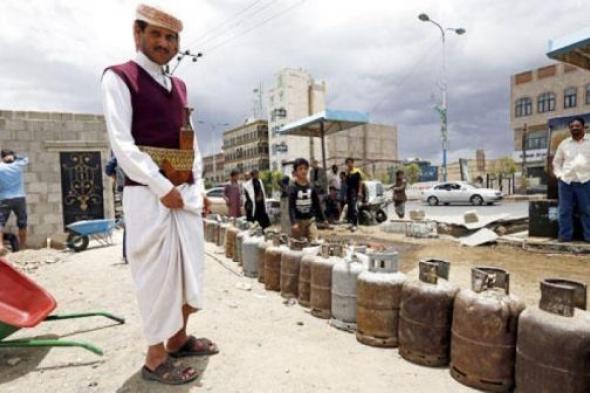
[524, 168]
[442, 108]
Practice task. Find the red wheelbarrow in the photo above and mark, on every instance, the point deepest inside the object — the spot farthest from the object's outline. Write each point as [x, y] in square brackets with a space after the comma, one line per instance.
[24, 304]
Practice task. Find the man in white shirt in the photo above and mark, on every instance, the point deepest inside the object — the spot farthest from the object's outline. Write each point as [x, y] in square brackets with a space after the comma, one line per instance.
[571, 166]
[145, 110]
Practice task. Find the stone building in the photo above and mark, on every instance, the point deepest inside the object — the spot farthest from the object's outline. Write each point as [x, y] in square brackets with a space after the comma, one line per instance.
[536, 97]
[245, 147]
[213, 171]
[65, 179]
[296, 95]
[373, 147]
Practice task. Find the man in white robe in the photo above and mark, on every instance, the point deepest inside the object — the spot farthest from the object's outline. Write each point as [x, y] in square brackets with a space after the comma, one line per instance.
[165, 244]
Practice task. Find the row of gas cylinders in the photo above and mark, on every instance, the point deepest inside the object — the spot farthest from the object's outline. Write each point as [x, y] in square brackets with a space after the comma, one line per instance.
[486, 335]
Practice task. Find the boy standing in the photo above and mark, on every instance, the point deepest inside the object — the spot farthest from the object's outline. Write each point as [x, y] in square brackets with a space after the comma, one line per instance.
[304, 203]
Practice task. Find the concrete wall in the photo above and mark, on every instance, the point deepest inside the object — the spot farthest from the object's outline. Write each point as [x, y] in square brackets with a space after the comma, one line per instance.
[42, 136]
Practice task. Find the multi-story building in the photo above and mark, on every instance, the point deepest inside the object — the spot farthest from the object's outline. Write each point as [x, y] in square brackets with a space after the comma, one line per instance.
[373, 147]
[295, 96]
[245, 147]
[537, 96]
[213, 168]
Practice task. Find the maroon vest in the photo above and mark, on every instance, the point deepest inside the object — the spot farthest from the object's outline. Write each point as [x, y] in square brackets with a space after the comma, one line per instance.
[158, 114]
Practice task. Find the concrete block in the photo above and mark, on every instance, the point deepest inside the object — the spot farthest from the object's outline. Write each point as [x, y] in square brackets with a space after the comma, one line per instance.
[40, 187]
[6, 135]
[15, 124]
[33, 198]
[33, 219]
[84, 117]
[54, 197]
[54, 188]
[53, 218]
[20, 114]
[6, 114]
[24, 136]
[39, 115]
[470, 217]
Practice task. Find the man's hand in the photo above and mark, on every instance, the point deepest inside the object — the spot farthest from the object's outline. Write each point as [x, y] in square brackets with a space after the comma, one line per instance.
[206, 206]
[173, 200]
[295, 228]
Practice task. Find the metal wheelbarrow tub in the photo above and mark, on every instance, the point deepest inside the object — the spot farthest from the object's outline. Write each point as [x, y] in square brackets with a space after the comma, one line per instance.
[80, 233]
[24, 304]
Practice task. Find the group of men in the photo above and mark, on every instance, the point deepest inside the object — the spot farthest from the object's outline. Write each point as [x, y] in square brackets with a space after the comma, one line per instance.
[250, 194]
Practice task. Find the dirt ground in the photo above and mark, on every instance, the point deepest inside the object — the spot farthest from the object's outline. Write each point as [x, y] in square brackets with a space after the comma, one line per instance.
[266, 345]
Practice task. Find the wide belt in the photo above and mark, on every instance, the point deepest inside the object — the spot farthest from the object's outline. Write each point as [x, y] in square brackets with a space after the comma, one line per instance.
[175, 164]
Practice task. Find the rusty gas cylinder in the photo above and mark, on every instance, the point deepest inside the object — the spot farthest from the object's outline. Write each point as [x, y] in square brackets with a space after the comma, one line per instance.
[379, 292]
[344, 289]
[244, 227]
[426, 315]
[484, 329]
[262, 246]
[215, 231]
[290, 260]
[553, 346]
[230, 240]
[250, 252]
[303, 288]
[320, 279]
[272, 265]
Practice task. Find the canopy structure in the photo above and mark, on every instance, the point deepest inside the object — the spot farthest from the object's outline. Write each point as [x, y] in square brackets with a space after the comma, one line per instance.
[325, 123]
[573, 49]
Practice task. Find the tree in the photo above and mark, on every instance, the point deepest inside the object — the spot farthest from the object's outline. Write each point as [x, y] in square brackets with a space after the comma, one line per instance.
[271, 179]
[412, 172]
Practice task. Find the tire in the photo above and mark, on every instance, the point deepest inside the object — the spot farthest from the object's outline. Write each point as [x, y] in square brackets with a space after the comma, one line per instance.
[476, 200]
[77, 242]
[432, 200]
[380, 216]
[365, 217]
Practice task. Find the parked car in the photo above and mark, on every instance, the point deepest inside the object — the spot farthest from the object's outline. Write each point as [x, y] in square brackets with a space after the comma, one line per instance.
[460, 192]
[218, 205]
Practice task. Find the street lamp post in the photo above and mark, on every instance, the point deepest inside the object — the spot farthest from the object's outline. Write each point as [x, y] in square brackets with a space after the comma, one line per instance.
[442, 109]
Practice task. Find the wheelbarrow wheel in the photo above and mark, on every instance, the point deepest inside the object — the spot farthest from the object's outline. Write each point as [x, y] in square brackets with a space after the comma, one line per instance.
[77, 242]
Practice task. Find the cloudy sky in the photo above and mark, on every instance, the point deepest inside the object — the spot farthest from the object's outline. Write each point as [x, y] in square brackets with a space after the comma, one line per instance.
[375, 55]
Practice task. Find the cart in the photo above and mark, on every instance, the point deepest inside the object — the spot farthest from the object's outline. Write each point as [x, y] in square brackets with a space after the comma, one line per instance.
[80, 233]
[24, 304]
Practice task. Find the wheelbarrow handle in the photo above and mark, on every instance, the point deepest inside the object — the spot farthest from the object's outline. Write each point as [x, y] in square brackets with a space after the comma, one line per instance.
[28, 343]
[84, 315]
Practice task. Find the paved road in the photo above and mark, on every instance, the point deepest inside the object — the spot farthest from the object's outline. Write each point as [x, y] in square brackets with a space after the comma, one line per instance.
[514, 208]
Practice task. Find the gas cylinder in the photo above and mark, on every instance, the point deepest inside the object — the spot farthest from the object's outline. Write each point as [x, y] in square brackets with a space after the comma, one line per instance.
[215, 231]
[230, 240]
[344, 278]
[378, 300]
[426, 315]
[484, 329]
[290, 260]
[207, 229]
[244, 227]
[272, 264]
[320, 279]
[223, 227]
[262, 246]
[553, 346]
[250, 252]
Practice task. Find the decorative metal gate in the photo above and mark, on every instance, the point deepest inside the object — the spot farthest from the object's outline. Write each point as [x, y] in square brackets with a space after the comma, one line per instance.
[81, 186]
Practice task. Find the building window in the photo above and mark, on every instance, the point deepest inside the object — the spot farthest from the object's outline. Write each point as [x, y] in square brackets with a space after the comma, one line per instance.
[523, 107]
[588, 94]
[546, 102]
[536, 142]
[570, 97]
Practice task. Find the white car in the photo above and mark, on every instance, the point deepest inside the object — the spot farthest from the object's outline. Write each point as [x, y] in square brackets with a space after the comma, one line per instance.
[460, 192]
[218, 205]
